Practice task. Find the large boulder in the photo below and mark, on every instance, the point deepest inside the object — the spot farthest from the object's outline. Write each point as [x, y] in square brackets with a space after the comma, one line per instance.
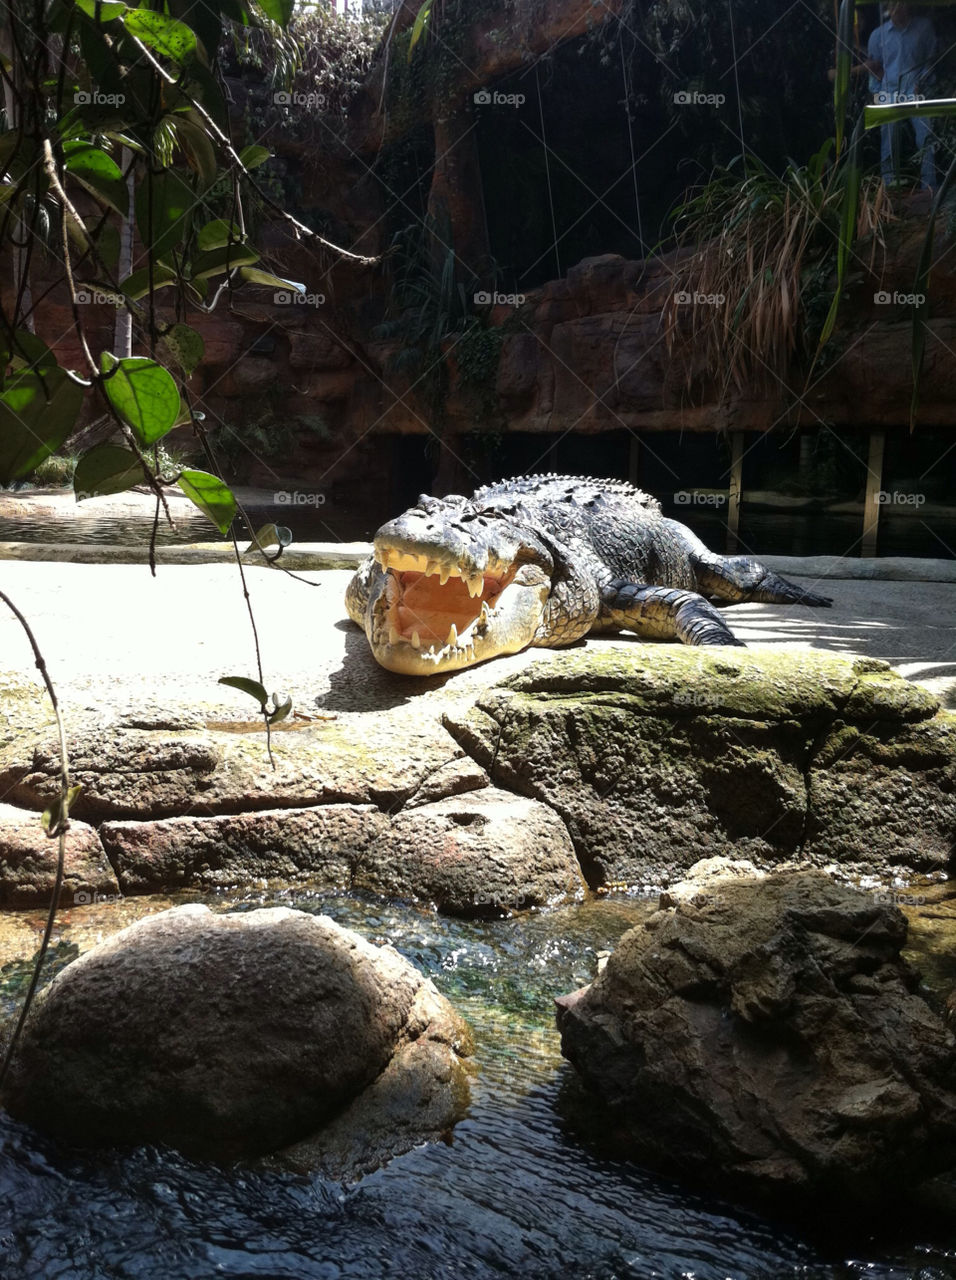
[236, 1035]
[763, 1033]
[658, 756]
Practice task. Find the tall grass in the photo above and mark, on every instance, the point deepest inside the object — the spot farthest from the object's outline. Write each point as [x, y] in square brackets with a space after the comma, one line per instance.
[754, 244]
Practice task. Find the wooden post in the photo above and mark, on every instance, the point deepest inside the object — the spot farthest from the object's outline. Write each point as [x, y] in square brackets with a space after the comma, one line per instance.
[735, 490]
[874, 486]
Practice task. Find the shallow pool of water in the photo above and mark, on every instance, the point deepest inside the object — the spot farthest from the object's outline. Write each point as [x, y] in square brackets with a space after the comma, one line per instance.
[522, 1189]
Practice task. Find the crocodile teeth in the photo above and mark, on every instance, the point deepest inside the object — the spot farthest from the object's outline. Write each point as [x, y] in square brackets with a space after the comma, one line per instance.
[475, 583]
[394, 635]
[452, 638]
[485, 612]
[416, 640]
[444, 575]
[432, 566]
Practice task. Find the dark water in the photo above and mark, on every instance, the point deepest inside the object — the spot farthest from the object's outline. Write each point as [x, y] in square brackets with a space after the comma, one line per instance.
[522, 1190]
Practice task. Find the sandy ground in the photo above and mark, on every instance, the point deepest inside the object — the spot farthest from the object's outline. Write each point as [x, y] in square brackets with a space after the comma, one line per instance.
[113, 631]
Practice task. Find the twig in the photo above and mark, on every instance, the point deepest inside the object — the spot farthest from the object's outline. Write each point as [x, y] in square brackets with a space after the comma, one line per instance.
[61, 830]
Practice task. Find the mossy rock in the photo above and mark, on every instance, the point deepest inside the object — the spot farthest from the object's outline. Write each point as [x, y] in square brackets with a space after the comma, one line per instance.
[657, 757]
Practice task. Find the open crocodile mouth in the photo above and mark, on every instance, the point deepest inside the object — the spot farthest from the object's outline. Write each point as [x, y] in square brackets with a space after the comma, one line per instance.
[438, 609]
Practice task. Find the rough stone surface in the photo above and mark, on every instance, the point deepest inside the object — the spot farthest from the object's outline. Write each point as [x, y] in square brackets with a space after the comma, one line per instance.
[28, 859]
[657, 757]
[763, 1033]
[133, 768]
[480, 854]
[476, 854]
[224, 1035]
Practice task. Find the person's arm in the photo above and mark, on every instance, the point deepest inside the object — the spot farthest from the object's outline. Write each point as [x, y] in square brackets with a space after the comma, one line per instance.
[874, 54]
[927, 56]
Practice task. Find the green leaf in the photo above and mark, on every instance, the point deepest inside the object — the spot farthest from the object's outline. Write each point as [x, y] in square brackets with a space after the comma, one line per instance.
[107, 240]
[101, 10]
[106, 469]
[28, 351]
[143, 393]
[270, 535]
[421, 22]
[894, 111]
[921, 286]
[38, 410]
[169, 38]
[9, 144]
[278, 10]
[204, 18]
[59, 811]
[216, 261]
[185, 346]
[235, 11]
[218, 233]
[252, 275]
[844, 58]
[99, 174]
[163, 205]
[137, 285]
[252, 156]
[848, 212]
[252, 687]
[281, 709]
[213, 498]
[199, 149]
[204, 87]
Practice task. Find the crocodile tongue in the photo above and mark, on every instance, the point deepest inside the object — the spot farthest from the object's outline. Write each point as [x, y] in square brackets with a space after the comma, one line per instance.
[426, 619]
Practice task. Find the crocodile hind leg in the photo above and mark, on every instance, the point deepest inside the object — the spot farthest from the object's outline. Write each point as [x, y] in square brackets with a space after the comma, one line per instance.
[663, 613]
[742, 579]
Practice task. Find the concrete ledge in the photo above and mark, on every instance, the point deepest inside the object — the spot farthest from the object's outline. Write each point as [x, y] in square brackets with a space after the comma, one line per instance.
[348, 555]
[305, 555]
[887, 568]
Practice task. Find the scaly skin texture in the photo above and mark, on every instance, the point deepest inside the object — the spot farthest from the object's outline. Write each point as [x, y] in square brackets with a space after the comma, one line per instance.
[544, 560]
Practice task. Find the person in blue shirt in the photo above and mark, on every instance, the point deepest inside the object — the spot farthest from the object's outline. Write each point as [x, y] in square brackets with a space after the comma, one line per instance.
[900, 56]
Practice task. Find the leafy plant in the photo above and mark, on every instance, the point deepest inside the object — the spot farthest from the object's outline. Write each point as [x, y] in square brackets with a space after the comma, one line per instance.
[748, 239]
[117, 120]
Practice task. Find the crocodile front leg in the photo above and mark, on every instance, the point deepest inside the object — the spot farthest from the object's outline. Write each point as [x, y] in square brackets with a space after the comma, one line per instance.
[663, 613]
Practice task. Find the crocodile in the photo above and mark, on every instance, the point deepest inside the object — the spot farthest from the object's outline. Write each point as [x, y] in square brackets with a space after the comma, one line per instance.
[544, 560]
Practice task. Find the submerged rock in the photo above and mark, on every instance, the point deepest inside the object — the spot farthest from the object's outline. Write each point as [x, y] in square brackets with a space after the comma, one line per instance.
[763, 1034]
[236, 1035]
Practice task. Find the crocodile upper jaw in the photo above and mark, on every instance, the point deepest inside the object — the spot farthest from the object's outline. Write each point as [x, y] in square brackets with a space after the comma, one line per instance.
[428, 615]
